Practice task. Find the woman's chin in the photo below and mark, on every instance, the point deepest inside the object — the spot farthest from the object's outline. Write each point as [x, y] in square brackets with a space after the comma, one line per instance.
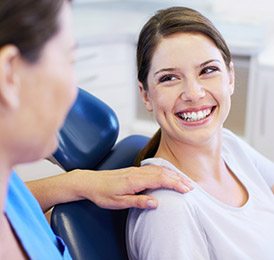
[54, 146]
[49, 148]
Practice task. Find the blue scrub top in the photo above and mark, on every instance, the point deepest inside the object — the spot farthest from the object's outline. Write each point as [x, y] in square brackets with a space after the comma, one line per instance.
[30, 225]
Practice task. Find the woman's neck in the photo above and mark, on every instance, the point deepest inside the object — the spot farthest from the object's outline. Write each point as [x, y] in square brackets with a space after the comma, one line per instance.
[198, 161]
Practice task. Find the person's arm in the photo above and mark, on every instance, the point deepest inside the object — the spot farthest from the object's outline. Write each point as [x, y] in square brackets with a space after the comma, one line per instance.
[172, 231]
[263, 164]
[115, 189]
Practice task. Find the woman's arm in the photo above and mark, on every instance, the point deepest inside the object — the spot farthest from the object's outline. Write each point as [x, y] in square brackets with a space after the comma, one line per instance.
[264, 166]
[115, 189]
[172, 231]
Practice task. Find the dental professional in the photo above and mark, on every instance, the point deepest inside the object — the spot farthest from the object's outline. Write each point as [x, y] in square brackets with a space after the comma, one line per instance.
[36, 78]
[186, 79]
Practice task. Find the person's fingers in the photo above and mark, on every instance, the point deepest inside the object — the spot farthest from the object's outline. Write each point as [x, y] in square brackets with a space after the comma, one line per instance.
[176, 176]
[158, 177]
[175, 185]
[153, 169]
[167, 182]
[136, 201]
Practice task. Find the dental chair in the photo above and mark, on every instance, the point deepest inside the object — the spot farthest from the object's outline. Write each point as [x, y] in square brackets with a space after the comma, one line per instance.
[87, 141]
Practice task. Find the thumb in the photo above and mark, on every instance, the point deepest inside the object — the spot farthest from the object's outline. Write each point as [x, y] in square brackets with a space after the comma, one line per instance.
[140, 201]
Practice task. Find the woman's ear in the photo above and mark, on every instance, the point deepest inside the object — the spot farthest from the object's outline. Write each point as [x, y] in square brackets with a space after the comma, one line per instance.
[9, 81]
[145, 97]
[231, 73]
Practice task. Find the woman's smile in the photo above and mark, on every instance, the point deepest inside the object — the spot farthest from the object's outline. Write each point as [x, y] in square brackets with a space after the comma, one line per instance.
[196, 117]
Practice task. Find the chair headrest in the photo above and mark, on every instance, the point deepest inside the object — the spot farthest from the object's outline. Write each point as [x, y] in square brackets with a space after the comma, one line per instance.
[89, 132]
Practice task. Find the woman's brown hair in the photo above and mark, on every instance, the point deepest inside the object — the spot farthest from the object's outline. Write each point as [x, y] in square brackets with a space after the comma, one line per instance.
[163, 24]
[28, 24]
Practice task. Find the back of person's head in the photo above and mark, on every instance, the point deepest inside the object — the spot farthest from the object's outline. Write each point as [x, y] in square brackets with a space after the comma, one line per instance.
[162, 25]
[28, 25]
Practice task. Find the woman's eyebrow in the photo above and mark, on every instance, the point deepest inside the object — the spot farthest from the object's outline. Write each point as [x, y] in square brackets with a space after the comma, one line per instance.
[165, 69]
[209, 61]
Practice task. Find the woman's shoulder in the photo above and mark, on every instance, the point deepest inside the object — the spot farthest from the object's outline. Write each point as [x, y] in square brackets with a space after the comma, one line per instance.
[154, 232]
[172, 207]
[229, 135]
[174, 211]
[233, 142]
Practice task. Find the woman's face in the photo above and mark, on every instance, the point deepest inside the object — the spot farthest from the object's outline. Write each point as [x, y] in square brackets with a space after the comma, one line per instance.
[189, 87]
[47, 92]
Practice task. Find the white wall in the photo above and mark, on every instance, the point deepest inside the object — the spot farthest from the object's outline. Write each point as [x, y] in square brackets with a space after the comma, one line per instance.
[37, 170]
[245, 10]
[250, 12]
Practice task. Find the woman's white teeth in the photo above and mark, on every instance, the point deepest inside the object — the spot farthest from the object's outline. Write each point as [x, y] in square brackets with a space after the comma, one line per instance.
[195, 116]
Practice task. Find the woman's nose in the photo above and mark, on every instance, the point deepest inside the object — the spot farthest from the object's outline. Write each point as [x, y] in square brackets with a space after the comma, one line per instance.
[192, 90]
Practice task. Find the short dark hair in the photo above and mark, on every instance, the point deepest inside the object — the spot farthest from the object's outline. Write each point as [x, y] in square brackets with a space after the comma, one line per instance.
[28, 24]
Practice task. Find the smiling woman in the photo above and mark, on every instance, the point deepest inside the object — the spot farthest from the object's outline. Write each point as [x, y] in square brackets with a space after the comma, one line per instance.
[186, 79]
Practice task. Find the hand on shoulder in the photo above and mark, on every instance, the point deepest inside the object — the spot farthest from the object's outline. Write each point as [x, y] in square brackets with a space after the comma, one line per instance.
[118, 189]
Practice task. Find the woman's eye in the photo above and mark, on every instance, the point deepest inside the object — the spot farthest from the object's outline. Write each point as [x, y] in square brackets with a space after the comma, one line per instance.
[167, 78]
[209, 70]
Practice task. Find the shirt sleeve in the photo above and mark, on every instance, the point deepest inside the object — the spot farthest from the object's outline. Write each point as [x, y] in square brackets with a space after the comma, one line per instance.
[171, 231]
[262, 164]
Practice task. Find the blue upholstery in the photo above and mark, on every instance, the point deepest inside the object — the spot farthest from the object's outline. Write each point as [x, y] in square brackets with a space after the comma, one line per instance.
[90, 131]
[91, 232]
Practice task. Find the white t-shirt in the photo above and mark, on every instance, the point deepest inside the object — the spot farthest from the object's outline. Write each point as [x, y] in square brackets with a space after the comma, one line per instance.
[198, 226]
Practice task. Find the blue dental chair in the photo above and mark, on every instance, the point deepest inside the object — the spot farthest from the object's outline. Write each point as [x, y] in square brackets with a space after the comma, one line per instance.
[87, 141]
